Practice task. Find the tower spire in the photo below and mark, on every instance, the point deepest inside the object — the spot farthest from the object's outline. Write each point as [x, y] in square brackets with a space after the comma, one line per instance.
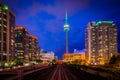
[66, 18]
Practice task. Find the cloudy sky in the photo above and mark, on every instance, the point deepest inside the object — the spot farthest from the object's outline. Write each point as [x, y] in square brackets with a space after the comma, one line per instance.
[46, 18]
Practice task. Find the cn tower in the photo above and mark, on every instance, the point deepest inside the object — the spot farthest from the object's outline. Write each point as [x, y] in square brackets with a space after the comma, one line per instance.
[66, 29]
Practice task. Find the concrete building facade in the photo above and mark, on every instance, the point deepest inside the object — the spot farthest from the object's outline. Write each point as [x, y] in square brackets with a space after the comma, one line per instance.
[101, 41]
[33, 47]
[7, 24]
[21, 42]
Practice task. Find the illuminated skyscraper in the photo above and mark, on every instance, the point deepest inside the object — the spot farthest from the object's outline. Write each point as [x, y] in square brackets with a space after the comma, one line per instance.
[21, 42]
[101, 41]
[66, 29]
[7, 24]
[33, 47]
[26, 45]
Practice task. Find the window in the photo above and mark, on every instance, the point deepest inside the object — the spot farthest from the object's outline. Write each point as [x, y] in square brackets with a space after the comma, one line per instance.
[4, 46]
[19, 33]
[0, 15]
[4, 36]
[0, 5]
[4, 16]
[0, 22]
[0, 46]
[19, 45]
[4, 29]
[0, 28]
[4, 22]
[0, 36]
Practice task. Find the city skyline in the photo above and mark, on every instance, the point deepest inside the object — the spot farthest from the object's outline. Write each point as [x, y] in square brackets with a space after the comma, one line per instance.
[59, 40]
[48, 18]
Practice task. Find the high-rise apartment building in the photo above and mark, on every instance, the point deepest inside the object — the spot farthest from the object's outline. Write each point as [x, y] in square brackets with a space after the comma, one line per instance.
[26, 45]
[101, 41]
[21, 42]
[7, 24]
[33, 47]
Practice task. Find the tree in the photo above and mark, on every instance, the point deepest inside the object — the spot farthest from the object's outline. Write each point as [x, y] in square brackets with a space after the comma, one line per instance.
[112, 59]
[39, 61]
[54, 61]
[1, 64]
[115, 60]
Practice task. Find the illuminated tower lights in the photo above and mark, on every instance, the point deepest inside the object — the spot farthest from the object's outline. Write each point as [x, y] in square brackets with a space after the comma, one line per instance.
[5, 7]
[66, 29]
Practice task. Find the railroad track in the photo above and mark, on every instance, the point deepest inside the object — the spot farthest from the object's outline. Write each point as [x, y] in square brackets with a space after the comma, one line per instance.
[29, 74]
[62, 73]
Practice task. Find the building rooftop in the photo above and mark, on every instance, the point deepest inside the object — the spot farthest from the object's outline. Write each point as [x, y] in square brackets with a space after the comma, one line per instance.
[34, 37]
[20, 28]
[101, 22]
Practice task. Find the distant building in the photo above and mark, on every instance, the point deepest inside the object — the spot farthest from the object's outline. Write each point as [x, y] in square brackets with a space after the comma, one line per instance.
[71, 58]
[33, 47]
[49, 56]
[67, 57]
[79, 51]
[21, 42]
[101, 41]
[7, 24]
[26, 45]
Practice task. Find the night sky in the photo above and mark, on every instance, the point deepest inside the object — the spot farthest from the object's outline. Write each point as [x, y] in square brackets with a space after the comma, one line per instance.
[46, 18]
